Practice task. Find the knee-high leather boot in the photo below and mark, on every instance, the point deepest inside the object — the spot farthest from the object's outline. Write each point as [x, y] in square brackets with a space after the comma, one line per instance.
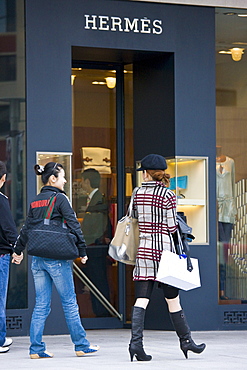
[136, 345]
[183, 331]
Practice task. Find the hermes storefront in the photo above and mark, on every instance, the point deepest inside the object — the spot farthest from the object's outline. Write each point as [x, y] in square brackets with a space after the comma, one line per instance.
[105, 83]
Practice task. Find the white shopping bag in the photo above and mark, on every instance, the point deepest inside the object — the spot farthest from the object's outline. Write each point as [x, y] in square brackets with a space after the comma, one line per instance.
[173, 271]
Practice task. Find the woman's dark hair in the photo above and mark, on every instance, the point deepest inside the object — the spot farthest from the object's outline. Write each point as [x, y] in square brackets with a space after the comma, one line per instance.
[51, 168]
[3, 169]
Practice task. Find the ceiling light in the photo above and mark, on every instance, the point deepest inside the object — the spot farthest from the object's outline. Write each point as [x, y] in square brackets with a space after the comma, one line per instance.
[98, 83]
[73, 79]
[230, 13]
[242, 15]
[110, 82]
[224, 52]
[239, 43]
[235, 52]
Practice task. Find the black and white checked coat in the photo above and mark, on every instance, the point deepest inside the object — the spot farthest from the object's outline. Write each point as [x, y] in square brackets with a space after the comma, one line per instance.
[155, 207]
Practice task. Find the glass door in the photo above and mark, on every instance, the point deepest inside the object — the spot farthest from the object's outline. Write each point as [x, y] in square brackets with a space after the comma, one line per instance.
[102, 183]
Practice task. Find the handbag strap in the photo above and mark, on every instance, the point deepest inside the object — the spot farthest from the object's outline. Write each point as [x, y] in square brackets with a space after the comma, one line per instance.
[132, 201]
[50, 207]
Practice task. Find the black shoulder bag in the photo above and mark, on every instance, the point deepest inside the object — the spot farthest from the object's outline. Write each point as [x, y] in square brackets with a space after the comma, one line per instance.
[51, 238]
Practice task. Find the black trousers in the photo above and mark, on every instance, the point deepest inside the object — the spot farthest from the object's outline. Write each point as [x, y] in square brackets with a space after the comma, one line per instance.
[144, 288]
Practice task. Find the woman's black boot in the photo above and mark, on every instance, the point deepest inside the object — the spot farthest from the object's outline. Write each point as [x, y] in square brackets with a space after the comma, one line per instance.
[183, 331]
[136, 345]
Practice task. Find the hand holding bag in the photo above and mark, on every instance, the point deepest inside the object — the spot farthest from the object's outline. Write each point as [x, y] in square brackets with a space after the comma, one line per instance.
[124, 245]
[51, 238]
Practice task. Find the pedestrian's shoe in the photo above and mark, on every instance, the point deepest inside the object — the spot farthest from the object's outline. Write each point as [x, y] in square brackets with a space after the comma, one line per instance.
[8, 342]
[187, 344]
[4, 349]
[44, 354]
[183, 331]
[91, 349]
[136, 343]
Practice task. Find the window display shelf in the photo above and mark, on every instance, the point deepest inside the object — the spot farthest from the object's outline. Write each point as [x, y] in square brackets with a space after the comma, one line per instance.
[191, 202]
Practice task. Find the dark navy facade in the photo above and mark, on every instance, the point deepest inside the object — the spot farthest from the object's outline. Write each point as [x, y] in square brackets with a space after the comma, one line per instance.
[172, 49]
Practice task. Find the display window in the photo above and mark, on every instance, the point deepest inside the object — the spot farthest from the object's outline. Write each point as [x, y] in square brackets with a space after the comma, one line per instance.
[231, 167]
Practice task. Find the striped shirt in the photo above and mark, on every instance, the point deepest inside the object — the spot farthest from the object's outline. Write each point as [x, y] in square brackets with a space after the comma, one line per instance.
[155, 207]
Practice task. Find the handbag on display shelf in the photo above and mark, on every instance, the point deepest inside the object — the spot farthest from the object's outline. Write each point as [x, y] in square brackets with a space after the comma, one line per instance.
[178, 182]
[51, 238]
[177, 268]
[124, 245]
[97, 158]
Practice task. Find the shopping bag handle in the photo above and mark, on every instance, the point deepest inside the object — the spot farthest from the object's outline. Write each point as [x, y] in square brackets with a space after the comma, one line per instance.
[189, 263]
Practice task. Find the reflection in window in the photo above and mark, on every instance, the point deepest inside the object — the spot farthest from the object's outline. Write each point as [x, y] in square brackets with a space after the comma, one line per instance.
[12, 132]
[7, 16]
[94, 188]
[7, 68]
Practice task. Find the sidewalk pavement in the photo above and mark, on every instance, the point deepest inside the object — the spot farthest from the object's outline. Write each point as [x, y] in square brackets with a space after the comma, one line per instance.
[225, 350]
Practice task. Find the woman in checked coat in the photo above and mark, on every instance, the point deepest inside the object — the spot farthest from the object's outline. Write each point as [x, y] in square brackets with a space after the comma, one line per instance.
[155, 207]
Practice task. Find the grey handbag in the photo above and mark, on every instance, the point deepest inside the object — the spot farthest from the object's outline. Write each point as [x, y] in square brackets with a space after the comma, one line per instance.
[124, 245]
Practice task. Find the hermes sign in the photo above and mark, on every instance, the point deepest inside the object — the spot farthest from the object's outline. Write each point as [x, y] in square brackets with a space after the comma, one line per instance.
[117, 24]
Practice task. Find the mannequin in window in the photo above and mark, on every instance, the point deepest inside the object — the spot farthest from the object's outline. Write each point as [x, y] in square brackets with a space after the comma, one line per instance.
[225, 190]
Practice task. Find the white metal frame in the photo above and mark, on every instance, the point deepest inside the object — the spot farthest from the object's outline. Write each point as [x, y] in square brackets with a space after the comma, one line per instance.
[68, 174]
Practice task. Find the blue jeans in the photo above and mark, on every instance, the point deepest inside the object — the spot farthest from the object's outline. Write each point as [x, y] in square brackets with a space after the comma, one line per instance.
[45, 272]
[4, 277]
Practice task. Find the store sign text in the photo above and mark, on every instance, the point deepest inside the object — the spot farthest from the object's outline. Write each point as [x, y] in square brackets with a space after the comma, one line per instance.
[113, 24]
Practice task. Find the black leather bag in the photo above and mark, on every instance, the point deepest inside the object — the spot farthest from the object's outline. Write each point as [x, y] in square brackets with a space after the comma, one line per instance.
[181, 238]
[51, 238]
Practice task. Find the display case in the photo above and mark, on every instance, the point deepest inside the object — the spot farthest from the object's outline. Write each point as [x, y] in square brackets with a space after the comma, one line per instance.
[189, 181]
[64, 159]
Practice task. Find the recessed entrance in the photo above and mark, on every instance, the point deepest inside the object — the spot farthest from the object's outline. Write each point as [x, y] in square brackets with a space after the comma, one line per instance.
[107, 98]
